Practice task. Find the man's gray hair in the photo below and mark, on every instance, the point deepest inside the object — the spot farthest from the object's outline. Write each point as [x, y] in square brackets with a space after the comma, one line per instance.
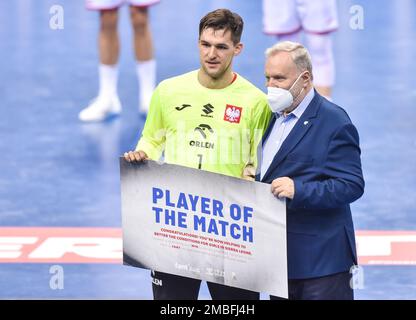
[299, 54]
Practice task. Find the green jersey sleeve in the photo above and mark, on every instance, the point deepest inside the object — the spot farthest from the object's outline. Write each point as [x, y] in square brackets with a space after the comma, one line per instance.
[153, 137]
[261, 118]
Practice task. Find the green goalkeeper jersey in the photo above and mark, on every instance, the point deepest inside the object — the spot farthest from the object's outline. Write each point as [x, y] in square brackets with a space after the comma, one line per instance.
[216, 130]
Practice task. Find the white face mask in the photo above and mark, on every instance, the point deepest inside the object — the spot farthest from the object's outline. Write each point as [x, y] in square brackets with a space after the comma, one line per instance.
[280, 99]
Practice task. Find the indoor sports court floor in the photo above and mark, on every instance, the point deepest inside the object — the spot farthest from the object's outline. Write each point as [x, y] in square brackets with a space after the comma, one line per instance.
[59, 178]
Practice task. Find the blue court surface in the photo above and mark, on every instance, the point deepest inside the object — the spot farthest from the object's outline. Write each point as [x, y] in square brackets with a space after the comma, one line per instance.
[57, 172]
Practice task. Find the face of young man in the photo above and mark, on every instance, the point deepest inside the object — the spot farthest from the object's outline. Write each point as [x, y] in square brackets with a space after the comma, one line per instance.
[216, 52]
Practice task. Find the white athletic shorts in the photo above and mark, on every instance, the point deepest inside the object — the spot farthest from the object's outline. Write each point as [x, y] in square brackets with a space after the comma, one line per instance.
[290, 16]
[112, 4]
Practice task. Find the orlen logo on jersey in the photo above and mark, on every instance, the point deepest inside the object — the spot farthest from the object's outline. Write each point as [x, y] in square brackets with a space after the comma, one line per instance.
[232, 113]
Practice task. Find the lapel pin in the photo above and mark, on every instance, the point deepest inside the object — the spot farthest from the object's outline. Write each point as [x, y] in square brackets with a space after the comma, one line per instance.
[305, 123]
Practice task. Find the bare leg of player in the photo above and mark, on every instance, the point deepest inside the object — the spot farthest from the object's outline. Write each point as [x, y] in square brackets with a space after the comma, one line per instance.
[143, 47]
[107, 101]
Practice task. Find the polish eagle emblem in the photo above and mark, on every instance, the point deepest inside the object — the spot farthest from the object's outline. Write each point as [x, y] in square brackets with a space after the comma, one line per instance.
[232, 113]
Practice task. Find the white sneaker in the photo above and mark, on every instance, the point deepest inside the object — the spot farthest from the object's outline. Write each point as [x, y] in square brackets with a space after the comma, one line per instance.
[100, 108]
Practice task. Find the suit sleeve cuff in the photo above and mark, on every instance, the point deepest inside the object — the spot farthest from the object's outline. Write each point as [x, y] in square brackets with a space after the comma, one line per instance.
[297, 200]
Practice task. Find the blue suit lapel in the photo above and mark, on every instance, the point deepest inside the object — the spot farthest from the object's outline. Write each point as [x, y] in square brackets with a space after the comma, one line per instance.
[298, 132]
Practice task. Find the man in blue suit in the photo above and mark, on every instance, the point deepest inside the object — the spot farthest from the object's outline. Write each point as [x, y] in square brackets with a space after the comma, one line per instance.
[311, 157]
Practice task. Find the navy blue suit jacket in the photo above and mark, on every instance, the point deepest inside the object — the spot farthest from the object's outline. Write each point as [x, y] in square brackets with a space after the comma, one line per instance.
[322, 155]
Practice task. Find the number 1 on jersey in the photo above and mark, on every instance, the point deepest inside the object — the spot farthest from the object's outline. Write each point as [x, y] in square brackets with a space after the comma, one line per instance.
[200, 161]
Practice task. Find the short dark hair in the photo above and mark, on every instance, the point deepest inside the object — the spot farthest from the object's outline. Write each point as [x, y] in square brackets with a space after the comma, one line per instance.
[223, 19]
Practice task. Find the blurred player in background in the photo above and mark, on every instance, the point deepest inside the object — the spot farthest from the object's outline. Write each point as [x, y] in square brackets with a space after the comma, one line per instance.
[107, 102]
[317, 19]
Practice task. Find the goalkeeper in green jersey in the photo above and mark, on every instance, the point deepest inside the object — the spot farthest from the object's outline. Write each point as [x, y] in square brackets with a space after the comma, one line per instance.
[210, 119]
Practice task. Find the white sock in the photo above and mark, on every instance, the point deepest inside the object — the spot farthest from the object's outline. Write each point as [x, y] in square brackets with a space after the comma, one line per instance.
[146, 75]
[108, 76]
[320, 49]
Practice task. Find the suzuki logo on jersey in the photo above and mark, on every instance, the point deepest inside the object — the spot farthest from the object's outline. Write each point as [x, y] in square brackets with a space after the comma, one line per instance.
[232, 113]
[207, 109]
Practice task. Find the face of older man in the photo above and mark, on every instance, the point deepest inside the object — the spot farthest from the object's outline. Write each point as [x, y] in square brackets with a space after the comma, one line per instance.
[282, 72]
